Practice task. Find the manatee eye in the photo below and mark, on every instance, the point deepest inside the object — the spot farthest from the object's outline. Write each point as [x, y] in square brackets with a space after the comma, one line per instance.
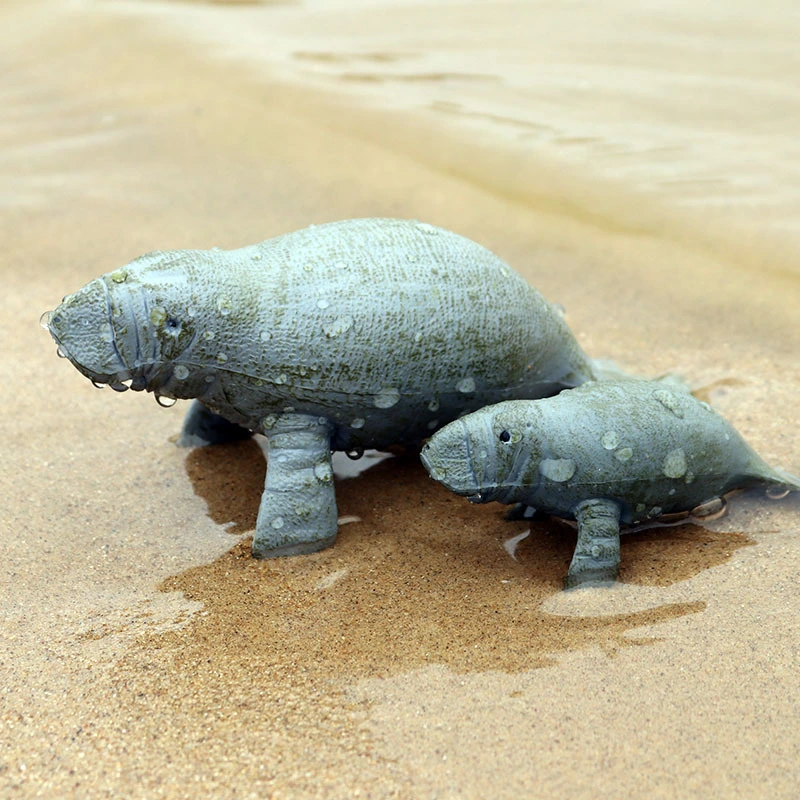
[505, 436]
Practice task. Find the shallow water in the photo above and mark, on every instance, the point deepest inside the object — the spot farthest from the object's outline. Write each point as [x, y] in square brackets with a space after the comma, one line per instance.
[637, 164]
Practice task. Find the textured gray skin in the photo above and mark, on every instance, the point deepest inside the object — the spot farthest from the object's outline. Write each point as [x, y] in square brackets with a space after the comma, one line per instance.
[604, 453]
[352, 335]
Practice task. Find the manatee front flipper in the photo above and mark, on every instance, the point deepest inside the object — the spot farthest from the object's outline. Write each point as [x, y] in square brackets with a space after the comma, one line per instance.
[202, 427]
[298, 508]
[596, 557]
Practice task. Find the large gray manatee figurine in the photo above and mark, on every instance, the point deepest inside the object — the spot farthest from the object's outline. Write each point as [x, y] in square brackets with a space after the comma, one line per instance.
[603, 454]
[356, 334]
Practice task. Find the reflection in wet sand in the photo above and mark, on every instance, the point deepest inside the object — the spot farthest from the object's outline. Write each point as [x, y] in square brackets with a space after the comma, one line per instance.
[378, 602]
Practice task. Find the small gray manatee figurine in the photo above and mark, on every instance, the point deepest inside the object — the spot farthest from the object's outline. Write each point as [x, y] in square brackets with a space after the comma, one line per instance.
[357, 334]
[603, 454]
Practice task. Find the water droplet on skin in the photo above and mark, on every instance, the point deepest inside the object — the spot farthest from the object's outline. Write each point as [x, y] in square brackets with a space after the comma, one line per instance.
[281, 379]
[60, 352]
[221, 358]
[208, 335]
[255, 257]
[323, 473]
[165, 400]
[557, 470]
[269, 421]
[181, 372]
[44, 320]
[655, 511]
[624, 454]
[288, 410]
[466, 385]
[417, 337]
[424, 227]
[106, 334]
[340, 265]
[277, 523]
[387, 398]
[158, 315]
[339, 326]
[119, 275]
[266, 336]
[322, 304]
[433, 424]
[224, 305]
[211, 378]
[675, 465]
[669, 401]
[358, 423]
[610, 440]
[433, 405]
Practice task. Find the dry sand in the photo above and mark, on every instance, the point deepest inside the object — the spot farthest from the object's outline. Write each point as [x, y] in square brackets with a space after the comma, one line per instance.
[146, 655]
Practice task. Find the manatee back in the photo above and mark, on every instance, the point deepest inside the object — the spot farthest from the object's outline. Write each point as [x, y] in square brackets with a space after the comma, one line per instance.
[652, 449]
[388, 327]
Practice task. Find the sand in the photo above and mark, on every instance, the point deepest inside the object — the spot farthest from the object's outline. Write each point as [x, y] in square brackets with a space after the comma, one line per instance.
[146, 655]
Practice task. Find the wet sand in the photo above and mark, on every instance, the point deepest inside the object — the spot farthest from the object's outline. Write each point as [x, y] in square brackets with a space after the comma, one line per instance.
[144, 652]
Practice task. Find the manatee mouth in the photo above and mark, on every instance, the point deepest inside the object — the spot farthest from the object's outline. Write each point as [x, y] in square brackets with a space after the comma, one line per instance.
[448, 459]
[120, 380]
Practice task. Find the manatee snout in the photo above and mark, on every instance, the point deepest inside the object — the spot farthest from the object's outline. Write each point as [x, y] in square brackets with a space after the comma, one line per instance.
[81, 327]
[447, 457]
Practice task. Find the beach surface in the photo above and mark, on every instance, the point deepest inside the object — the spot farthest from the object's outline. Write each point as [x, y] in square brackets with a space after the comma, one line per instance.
[639, 167]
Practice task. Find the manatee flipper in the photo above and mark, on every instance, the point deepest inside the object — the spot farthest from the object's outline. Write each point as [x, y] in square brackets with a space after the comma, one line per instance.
[596, 558]
[298, 512]
[202, 427]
